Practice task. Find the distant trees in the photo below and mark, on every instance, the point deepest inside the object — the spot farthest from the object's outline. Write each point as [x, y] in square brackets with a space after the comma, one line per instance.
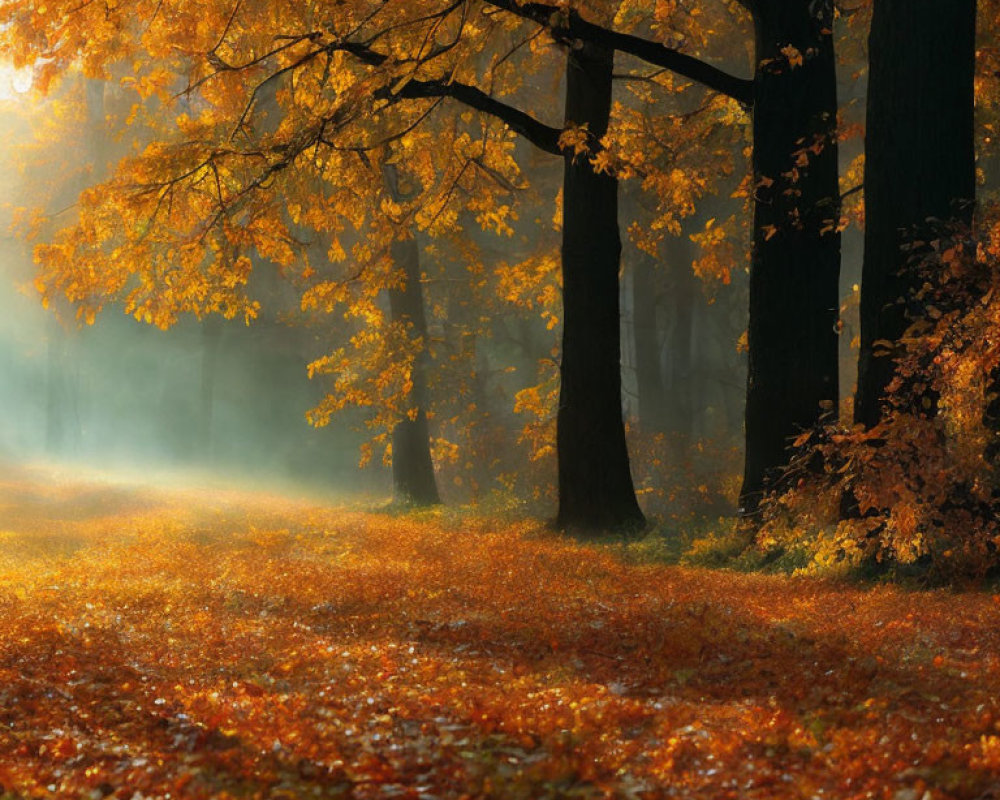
[341, 89]
[651, 387]
[412, 468]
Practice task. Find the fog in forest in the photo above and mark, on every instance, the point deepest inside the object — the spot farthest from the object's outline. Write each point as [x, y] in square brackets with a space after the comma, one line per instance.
[219, 397]
[221, 400]
[224, 401]
[200, 398]
[212, 399]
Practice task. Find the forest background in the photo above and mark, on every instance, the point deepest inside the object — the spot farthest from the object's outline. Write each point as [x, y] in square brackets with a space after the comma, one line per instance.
[419, 207]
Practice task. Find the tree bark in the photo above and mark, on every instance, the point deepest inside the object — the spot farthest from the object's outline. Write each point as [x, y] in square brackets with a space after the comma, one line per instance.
[919, 164]
[684, 295]
[413, 478]
[595, 481]
[649, 377]
[795, 266]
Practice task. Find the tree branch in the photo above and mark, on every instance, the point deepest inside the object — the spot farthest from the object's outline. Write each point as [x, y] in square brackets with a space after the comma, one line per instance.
[567, 27]
[852, 190]
[545, 137]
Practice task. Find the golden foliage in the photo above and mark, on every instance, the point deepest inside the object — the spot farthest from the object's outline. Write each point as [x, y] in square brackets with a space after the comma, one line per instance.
[923, 483]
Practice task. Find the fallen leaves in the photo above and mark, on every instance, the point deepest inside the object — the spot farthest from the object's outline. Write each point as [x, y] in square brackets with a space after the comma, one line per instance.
[205, 645]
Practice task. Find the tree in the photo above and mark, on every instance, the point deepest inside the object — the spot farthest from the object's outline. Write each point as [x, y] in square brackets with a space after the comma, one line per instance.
[795, 269]
[412, 468]
[920, 168]
[595, 482]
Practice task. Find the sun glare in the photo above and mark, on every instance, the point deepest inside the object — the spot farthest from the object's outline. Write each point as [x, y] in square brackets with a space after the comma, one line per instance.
[14, 82]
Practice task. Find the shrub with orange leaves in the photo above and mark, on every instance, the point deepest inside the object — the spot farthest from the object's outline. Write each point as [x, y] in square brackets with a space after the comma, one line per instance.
[920, 488]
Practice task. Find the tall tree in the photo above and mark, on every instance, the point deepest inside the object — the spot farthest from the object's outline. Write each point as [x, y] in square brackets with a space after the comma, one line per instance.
[919, 165]
[795, 269]
[595, 482]
[794, 281]
[595, 486]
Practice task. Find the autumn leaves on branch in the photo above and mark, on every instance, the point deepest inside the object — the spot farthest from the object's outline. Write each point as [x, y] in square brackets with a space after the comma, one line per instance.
[266, 129]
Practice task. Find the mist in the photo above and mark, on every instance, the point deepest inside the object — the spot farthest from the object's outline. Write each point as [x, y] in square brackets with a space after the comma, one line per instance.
[226, 400]
[208, 399]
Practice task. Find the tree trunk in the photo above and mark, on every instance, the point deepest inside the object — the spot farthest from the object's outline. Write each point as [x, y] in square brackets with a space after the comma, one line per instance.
[595, 482]
[794, 294]
[919, 163]
[412, 468]
[649, 378]
[684, 294]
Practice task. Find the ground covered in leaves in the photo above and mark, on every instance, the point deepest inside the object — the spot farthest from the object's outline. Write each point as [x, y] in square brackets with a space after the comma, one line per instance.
[202, 644]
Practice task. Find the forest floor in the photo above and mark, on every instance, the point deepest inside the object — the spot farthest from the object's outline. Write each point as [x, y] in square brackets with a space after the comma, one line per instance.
[196, 644]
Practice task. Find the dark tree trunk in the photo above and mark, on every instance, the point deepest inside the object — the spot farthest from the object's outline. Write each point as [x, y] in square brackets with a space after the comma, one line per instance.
[412, 468]
[649, 378]
[919, 163]
[595, 482]
[794, 294]
[684, 294]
